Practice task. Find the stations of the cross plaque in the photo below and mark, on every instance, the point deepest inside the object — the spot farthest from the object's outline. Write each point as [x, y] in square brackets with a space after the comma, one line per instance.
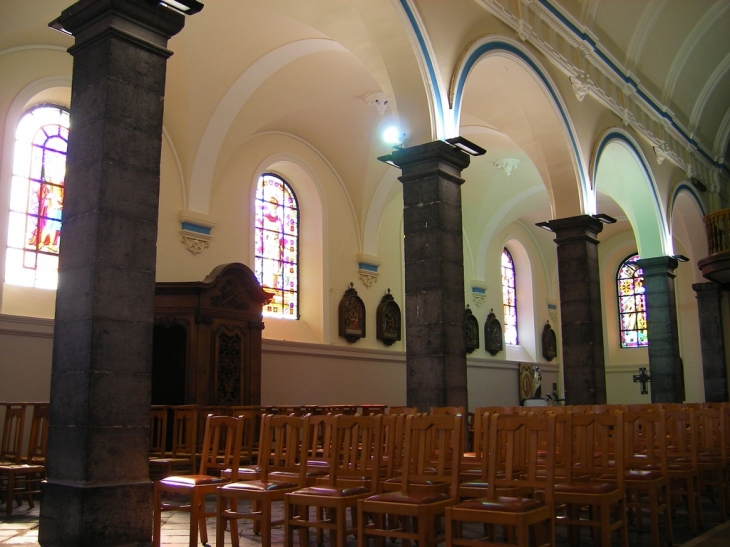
[643, 378]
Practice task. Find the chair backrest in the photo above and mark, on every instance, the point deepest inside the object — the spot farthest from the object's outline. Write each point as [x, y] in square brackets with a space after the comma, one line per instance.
[407, 410]
[433, 449]
[158, 431]
[319, 445]
[284, 443]
[594, 446]
[711, 432]
[248, 440]
[516, 452]
[645, 439]
[11, 448]
[357, 450]
[681, 429]
[38, 440]
[185, 432]
[221, 446]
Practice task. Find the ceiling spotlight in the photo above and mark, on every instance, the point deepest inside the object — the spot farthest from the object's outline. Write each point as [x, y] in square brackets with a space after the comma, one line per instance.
[545, 225]
[466, 146]
[186, 7]
[604, 218]
[680, 258]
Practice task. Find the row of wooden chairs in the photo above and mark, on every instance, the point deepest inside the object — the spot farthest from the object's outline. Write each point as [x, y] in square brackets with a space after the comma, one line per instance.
[22, 460]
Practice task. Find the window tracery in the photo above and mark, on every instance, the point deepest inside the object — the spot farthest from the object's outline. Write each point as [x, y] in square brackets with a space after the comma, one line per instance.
[632, 304]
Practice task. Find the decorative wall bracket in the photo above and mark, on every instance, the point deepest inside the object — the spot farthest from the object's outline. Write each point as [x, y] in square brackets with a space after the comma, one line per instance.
[195, 230]
[580, 87]
[368, 269]
[377, 100]
[507, 164]
[478, 292]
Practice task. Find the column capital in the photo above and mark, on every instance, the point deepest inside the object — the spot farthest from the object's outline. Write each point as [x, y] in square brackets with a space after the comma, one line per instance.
[578, 227]
[709, 289]
[142, 21]
[437, 156]
[658, 266]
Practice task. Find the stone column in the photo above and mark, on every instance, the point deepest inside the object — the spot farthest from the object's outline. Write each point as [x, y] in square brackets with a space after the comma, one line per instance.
[98, 491]
[581, 323]
[434, 274]
[665, 364]
[714, 369]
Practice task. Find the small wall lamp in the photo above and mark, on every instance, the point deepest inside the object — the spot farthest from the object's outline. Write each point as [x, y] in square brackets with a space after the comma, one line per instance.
[466, 146]
[680, 258]
[602, 217]
[186, 7]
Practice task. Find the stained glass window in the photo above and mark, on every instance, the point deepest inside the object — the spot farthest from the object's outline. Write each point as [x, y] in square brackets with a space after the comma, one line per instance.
[277, 245]
[632, 304]
[36, 197]
[509, 298]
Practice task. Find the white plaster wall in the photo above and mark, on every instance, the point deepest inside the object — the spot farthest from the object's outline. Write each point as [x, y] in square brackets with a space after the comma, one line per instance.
[26, 346]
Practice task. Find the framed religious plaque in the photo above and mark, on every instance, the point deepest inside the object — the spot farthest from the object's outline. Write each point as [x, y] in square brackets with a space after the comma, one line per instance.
[493, 334]
[388, 319]
[351, 316]
[549, 342]
[471, 328]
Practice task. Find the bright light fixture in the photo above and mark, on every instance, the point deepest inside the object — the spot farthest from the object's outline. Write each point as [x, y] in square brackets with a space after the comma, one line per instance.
[393, 136]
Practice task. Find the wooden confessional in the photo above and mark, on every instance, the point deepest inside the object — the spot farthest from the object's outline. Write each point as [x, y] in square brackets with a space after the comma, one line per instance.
[207, 339]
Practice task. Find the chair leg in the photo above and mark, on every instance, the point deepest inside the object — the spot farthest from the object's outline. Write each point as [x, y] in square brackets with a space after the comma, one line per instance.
[220, 522]
[194, 520]
[157, 519]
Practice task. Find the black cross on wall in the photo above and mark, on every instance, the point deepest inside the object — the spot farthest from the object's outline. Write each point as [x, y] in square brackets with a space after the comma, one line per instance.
[643, 378]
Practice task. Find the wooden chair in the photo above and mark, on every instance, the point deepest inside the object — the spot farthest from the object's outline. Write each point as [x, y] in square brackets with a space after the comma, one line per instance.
[407, 410]
[158, 431]
[594, 451]
[712, 456]
[411, 504]
[11, 447]
[283, 446]
[514, 451]
[25, 478]
[249, 440]
[354, 474]
[221, 450]
[181, 458]
[682, 464]
[646, 470]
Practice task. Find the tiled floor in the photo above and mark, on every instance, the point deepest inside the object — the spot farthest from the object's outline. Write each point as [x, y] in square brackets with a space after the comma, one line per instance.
[21, 530]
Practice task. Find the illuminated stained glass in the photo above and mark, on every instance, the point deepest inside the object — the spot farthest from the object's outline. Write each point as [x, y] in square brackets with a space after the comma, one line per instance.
[632, 304]
[277, 245]
[509, 298]
[36, 200]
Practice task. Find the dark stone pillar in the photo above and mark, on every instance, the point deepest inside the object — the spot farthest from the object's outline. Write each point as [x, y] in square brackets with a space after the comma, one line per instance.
[712, 341]
[98, 491]
[434, 274]
[580, 309]
[665, 364]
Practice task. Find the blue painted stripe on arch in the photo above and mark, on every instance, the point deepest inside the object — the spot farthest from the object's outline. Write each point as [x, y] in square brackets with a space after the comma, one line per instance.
[504, 46]
[686, 187]
[195, 228]
[427, 58]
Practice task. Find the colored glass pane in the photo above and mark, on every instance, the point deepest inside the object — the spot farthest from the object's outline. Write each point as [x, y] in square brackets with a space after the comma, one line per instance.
[632, 304]
[36, 197]
[509, 299]
[276, 242]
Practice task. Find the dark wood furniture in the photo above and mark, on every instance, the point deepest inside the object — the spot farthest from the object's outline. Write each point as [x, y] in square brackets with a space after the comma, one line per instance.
[207, 339]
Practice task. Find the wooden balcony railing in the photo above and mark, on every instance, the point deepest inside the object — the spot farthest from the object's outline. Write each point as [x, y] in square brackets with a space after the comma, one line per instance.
[717, 228]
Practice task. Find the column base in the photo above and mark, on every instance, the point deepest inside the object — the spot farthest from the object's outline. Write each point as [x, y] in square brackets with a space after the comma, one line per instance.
[96, 516]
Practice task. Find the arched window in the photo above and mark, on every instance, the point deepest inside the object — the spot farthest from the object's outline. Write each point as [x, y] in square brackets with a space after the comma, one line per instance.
[36, 197]
[509, 298]
[632, 304]
[277, 245]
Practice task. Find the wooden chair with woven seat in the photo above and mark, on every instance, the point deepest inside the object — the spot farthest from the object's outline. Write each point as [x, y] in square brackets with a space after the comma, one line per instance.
[11, 446]
[24, 478]
[221, 450]
[354, 473]
[712, 456]
[283, 449]
[682, 464]
[415, 505]
[181, 458]
[512, 468]
[646, 470]
[593, 452]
